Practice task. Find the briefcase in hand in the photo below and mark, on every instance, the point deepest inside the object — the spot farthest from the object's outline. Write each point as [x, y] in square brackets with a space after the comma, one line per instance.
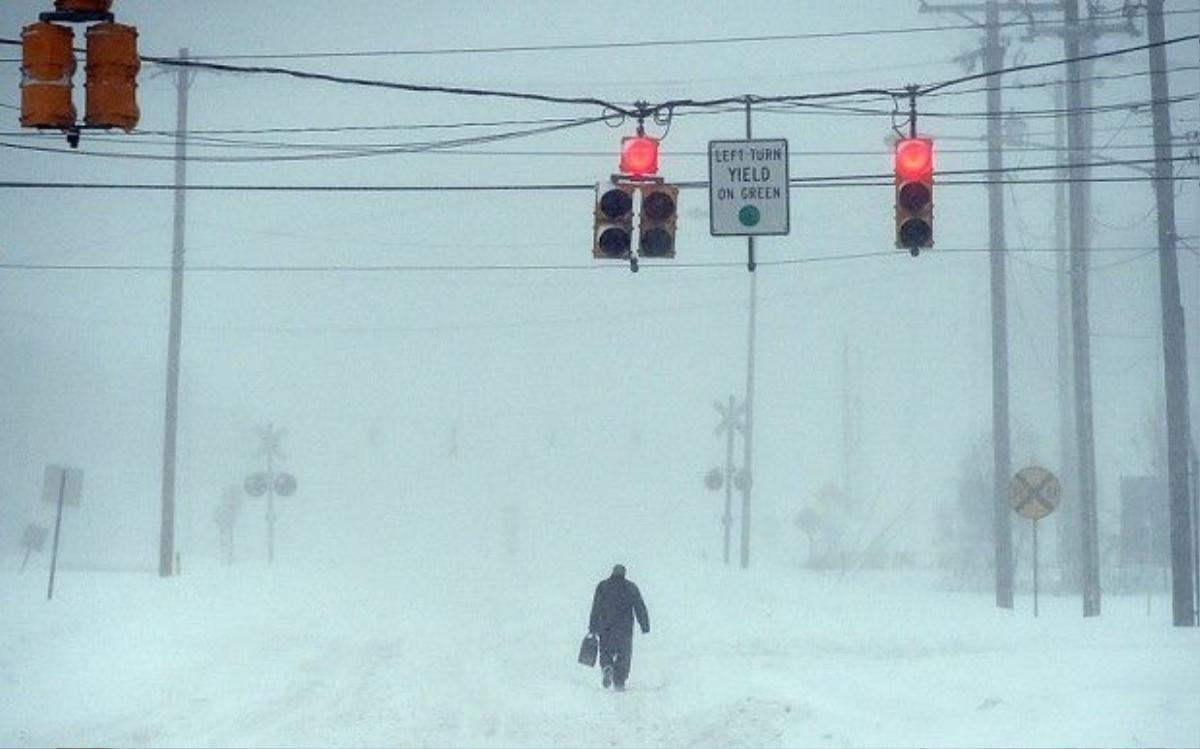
[587, 651]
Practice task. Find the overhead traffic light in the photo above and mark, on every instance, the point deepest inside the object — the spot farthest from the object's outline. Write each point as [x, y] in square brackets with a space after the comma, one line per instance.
[656, 225]
[47, 65]
[112, 68]
[612, 228]
[914, 194]
[639, 156]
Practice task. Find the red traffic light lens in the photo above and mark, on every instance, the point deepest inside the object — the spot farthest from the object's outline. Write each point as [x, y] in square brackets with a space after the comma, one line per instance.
[639, 155]
[914, 158]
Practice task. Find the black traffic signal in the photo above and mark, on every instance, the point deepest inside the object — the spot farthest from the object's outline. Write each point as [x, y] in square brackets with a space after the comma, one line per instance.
[656, 227]
[612, 228]
[914, 194]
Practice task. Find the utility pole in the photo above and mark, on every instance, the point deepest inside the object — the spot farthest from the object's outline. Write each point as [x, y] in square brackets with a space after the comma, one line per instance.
[1080, 330]
[1068, 520]
[1080, 551]
[748, 402]
[1174, 339]
[993, 54]
[850, 423]
[166, 545]
[1001, 455]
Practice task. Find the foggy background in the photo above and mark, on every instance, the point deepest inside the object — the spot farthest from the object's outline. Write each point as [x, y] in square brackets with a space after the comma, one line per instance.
[419, 404]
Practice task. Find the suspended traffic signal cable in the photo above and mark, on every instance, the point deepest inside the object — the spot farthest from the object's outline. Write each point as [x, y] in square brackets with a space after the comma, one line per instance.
[846, 180]
[382, 150]
[639, 110]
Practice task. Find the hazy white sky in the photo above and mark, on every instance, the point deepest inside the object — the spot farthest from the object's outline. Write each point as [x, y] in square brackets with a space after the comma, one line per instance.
[580, 394]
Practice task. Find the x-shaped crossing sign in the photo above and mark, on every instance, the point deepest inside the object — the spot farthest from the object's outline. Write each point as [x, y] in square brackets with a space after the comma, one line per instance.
[1034, 492]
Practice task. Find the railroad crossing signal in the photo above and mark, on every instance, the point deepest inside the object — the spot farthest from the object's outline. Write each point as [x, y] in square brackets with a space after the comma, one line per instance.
[1034, 492]
[914, 194]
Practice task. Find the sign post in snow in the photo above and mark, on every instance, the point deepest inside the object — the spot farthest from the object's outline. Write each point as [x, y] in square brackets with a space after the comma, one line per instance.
[63, 485]
[1034, 493]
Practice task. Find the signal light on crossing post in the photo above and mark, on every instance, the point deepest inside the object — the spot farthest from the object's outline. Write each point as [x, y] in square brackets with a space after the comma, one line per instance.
[656, 226]
[47, 66]
[639, 156]
[112, 68]
[914, 194]
[612, 228]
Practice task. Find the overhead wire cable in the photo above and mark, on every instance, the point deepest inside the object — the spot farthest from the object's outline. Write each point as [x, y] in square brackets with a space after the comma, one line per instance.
[645, 43]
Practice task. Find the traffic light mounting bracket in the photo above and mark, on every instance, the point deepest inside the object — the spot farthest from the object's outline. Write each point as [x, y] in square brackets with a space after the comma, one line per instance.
[633, 181]
[77, 17]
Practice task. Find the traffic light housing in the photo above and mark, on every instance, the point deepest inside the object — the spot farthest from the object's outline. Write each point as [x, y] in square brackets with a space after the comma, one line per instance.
[47, 66]
[612, 228]
[112, 68]
[656, 224]
[914, 194]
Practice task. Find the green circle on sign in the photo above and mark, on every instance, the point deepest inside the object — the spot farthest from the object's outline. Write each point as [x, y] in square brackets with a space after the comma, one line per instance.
[749, 215]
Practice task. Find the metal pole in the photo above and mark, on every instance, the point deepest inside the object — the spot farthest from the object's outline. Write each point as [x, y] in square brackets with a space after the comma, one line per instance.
[750, 263]
[1196, 532]
[270, 508]
[1174, 340]
[1001, 454]
[62, 486]
[166, 544]
[1035, 571]
[748, 438]
[1080, 327]
[727, 518]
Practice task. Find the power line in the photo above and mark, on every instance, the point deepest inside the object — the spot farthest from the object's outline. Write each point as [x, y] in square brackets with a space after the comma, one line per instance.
[648, 43]
[695, 41]
[193, 134]
[1053, 63]
[847, 255]
[416, 147]
[850, 180]
[640, 110]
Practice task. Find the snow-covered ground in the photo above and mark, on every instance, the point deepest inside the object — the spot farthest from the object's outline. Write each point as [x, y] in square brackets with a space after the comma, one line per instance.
[412, 655]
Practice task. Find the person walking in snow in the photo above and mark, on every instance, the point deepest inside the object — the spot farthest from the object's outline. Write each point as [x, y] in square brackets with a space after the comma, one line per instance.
[616, 602]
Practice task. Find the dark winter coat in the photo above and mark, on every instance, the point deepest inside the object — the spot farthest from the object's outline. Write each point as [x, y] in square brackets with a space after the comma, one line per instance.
[614, 606]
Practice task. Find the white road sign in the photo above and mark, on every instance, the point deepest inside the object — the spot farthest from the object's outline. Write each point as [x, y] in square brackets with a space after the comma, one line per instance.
[748, 187]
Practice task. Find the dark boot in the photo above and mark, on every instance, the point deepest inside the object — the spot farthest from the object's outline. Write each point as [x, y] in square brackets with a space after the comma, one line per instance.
[608, 677]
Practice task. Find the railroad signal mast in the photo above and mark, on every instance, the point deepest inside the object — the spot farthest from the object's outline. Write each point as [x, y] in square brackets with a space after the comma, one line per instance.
[635, 186]
[48, 68]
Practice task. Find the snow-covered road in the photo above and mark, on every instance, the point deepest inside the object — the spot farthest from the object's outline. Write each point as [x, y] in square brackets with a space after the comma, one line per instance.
[250, 656]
